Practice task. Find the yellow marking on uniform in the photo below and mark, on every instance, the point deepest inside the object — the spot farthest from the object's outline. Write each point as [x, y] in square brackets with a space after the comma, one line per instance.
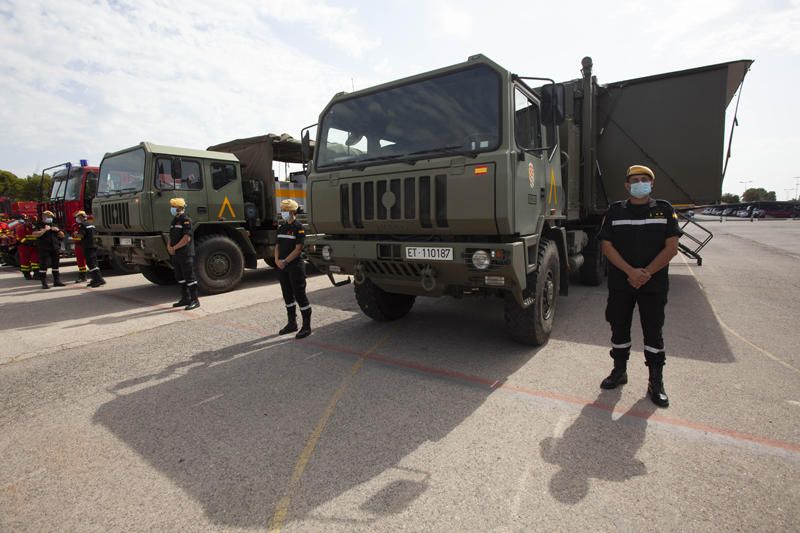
[226, 203]
[553, 192]
[290, 193]
[735, 333]
[308, 450]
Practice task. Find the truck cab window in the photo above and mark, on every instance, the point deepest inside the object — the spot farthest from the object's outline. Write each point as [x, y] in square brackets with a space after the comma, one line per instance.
[222, 174]
[190, 180]
[527, 124]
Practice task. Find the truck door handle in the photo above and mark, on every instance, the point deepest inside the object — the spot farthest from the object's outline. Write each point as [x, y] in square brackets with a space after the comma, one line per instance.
[201, 210]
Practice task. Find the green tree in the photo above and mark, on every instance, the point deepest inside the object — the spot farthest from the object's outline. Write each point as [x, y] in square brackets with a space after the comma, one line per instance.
[758, 194]
[9, 184]
[729, 198]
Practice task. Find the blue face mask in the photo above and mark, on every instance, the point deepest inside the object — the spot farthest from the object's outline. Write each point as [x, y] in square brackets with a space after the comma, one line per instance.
[286, 215]
[174, 211]
[641, 189]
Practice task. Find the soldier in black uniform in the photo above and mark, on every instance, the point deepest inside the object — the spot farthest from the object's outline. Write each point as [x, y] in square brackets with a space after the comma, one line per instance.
[48, 240]
[291, 237]
[87, 231]
[640, 237]
[181, 250]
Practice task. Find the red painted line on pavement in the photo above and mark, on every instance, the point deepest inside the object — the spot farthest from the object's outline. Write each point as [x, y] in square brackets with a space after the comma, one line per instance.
[581, 402]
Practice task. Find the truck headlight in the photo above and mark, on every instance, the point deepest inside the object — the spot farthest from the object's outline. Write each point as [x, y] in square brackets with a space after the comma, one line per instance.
[327, 253]
[481, 260]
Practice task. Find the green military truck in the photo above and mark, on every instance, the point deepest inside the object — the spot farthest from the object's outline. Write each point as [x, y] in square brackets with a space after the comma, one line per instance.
[470, 180]
[230, 190]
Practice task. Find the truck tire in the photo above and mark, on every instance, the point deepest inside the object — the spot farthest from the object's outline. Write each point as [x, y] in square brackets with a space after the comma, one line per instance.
[219, 264]
[532, 325]
[593, 270]
[381, 305]
[158, 274]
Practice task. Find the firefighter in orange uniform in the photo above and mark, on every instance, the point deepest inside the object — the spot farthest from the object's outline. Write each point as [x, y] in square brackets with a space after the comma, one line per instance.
[26, 247]
[80, 257]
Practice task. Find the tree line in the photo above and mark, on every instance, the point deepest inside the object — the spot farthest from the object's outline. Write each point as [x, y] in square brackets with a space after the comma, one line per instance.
[22, 189]
[752, 194]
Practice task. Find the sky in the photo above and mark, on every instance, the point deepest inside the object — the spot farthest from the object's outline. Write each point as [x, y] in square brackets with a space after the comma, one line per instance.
[79, 79]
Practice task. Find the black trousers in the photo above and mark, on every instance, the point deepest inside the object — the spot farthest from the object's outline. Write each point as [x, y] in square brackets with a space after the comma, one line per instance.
[293, 285]
[619, 313]
[184, 269]
[49, 259]
[91, 258]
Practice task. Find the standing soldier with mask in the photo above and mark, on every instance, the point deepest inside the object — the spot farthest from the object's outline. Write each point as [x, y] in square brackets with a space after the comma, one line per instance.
[48, 238]
[640, 237]
[85, 240]
[181, 248]
[291, 237]
[80, 256]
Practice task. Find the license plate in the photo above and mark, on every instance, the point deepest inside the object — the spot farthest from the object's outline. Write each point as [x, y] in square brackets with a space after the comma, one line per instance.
[334, 268]
[125, 241]
[429, 254]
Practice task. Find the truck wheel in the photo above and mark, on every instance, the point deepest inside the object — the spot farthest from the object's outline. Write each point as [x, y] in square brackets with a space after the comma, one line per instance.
[219, 264]
[532, 325]
[381, 305]
[158, 274]
[593, 270]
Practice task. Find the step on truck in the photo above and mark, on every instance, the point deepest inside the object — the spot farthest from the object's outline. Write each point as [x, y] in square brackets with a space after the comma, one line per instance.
[231, 192]
[472, 180]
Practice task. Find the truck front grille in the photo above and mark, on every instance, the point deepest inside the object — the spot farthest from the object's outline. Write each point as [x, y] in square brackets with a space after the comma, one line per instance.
[115, 214]
[420, 198]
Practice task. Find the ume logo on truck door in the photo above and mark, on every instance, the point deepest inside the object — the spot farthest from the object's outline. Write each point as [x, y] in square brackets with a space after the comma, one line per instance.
[530, 174]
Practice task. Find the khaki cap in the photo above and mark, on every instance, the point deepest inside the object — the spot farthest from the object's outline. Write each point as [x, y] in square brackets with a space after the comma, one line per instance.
[637, 170]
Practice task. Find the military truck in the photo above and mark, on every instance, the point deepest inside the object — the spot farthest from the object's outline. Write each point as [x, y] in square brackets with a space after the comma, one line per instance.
[472, 180]
[230, 190]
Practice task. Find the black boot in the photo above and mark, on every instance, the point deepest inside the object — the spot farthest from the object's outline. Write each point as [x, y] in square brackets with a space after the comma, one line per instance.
[291, 323]
[97, 279]
[57, 280]
[655, 387]
[184, 301]
[27, 275]
[305, 331]
[81, 277]
[619, 375]
[194, 303]
[43, 279]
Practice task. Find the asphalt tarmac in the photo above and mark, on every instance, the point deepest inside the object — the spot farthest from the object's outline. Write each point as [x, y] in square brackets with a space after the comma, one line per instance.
[118, 413]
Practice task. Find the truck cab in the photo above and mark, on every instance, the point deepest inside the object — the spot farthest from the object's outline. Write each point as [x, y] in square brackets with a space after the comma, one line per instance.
[231, 203]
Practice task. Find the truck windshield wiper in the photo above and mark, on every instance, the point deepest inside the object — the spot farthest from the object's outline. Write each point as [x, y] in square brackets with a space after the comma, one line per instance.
[447, 150]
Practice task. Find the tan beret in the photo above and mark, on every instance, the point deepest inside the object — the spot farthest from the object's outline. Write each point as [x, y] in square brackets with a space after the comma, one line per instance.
[177, 202]
[636, 170]
[289, 205]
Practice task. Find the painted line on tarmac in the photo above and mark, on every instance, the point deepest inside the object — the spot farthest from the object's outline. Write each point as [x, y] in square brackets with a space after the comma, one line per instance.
[563, 398]
[308, 451]
[733, 331]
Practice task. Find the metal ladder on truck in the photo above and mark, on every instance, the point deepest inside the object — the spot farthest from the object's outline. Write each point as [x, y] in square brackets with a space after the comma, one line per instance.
[698, 237]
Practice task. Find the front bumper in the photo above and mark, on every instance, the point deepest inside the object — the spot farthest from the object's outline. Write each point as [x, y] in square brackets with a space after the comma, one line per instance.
[136, 249]
[385, 264]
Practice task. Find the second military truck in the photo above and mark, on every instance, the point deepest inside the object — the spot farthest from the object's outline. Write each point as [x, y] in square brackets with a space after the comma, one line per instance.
[473, 180]
[231, 193]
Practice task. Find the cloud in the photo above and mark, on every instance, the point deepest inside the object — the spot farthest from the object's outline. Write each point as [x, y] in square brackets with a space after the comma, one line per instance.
[79, 79]
[454, 21]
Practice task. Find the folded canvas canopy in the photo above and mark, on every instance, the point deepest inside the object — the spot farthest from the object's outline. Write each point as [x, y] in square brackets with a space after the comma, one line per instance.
[256, 154]
[673, 123]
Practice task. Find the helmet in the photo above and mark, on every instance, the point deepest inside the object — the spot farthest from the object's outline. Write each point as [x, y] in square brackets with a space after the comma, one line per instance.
[635, 170]
[289, 205]
[177, 202]
[48, 214]
[80, 213]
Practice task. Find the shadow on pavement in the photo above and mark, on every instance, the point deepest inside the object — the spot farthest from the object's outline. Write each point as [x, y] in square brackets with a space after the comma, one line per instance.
[597, 446]
[228, 426]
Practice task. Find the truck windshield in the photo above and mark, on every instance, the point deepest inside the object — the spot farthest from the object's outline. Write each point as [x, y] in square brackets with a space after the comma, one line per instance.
[458, 112]
[122, 173]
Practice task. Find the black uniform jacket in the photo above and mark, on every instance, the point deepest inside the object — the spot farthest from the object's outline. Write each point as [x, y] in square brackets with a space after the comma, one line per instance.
[639, 233]
[49, 241]
[181, 225]
[87, 232]
[290, 234]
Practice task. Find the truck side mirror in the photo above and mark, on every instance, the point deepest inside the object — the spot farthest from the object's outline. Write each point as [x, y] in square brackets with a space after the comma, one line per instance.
[305, 146]
[176, 169]
[553, 97]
